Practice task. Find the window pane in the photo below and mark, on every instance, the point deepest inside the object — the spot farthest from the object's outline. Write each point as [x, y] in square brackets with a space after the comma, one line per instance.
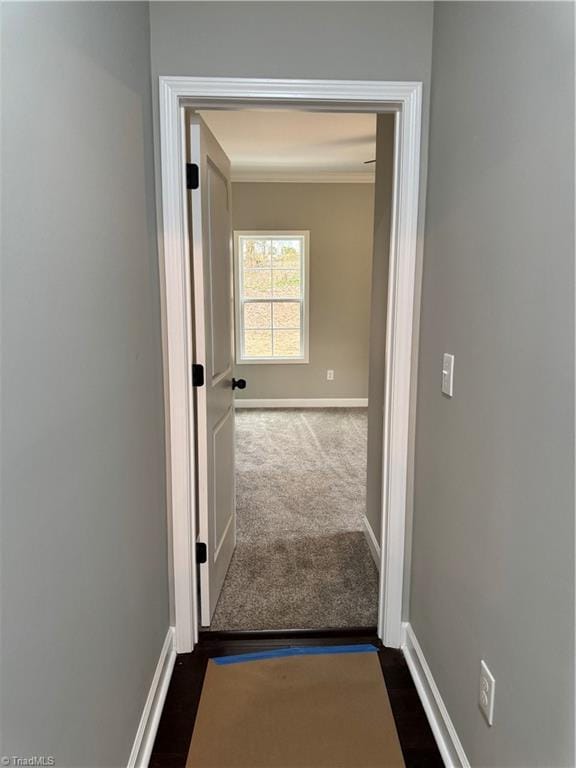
[286, 283]
[287, 344]
[255, 253]
[286, 253]
[287, 314]
[258, 315]
[258, 343]
[257, 284]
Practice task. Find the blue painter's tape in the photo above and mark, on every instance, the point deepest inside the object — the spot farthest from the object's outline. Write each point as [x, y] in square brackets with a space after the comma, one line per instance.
[280, 653]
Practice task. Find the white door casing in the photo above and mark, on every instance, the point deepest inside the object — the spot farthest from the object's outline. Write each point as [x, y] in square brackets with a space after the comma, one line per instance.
[213, 332]
[402, 98]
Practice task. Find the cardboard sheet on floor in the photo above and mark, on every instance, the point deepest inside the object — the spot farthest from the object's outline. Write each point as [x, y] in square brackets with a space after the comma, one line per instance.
[309, 711]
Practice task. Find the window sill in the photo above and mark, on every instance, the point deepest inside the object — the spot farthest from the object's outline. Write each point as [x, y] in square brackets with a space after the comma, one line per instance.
[274, 361]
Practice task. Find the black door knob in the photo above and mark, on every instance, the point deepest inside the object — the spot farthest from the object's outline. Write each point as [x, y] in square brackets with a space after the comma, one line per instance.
[238, 383]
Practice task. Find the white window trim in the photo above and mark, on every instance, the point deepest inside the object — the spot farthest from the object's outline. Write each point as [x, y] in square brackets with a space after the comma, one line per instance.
[305, 300]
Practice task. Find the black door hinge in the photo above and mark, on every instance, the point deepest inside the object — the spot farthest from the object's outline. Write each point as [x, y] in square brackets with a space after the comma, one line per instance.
[197, 375]
[192, 176]
[201, 553]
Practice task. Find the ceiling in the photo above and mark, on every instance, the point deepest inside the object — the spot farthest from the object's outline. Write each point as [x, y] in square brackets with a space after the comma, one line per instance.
[290, 145]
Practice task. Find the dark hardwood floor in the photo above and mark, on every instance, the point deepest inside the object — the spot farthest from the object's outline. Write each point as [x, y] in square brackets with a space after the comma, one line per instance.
[177, 721]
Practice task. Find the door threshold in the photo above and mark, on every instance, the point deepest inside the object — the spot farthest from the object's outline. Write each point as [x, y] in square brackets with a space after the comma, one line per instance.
[334, 633]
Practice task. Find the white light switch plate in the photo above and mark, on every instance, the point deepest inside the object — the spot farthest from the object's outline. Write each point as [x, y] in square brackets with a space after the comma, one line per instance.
[448, 374]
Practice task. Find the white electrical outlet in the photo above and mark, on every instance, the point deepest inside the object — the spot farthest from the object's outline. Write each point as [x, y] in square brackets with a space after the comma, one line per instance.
[330, 375]
[486, 693]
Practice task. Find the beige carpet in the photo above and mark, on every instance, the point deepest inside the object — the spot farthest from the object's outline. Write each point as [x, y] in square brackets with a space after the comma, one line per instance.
[327, 711]
[301, 559]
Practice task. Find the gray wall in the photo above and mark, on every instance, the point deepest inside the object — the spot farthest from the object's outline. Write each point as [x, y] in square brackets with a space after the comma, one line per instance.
[350, 40]
[378, 311]
[493, 557]
[83, 521]
[339, 218]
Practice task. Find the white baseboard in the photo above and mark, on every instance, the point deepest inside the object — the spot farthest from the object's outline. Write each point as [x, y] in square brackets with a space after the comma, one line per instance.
[146, 733]
[442, 727]
[303, 402]
[372, 542]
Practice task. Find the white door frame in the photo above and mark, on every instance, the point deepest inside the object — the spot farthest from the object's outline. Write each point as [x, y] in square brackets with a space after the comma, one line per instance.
[402, 98]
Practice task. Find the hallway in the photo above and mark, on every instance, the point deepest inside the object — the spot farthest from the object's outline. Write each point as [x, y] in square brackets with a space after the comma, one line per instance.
[301, 559]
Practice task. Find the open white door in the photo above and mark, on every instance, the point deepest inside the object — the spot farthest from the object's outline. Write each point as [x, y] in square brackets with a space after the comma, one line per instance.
[211, 238]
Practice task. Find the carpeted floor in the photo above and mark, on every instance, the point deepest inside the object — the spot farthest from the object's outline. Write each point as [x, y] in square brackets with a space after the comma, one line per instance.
[301, 559]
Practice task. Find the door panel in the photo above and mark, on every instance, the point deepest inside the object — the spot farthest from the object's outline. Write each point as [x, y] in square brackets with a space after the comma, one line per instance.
[220, 271]
[211, 253]
[223, 459]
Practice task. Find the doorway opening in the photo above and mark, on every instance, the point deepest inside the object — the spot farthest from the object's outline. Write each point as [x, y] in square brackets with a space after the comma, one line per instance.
[301, 210]
[193, 484]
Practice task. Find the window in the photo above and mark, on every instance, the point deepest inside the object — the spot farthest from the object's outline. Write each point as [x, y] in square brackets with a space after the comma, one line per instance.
[271, 270]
